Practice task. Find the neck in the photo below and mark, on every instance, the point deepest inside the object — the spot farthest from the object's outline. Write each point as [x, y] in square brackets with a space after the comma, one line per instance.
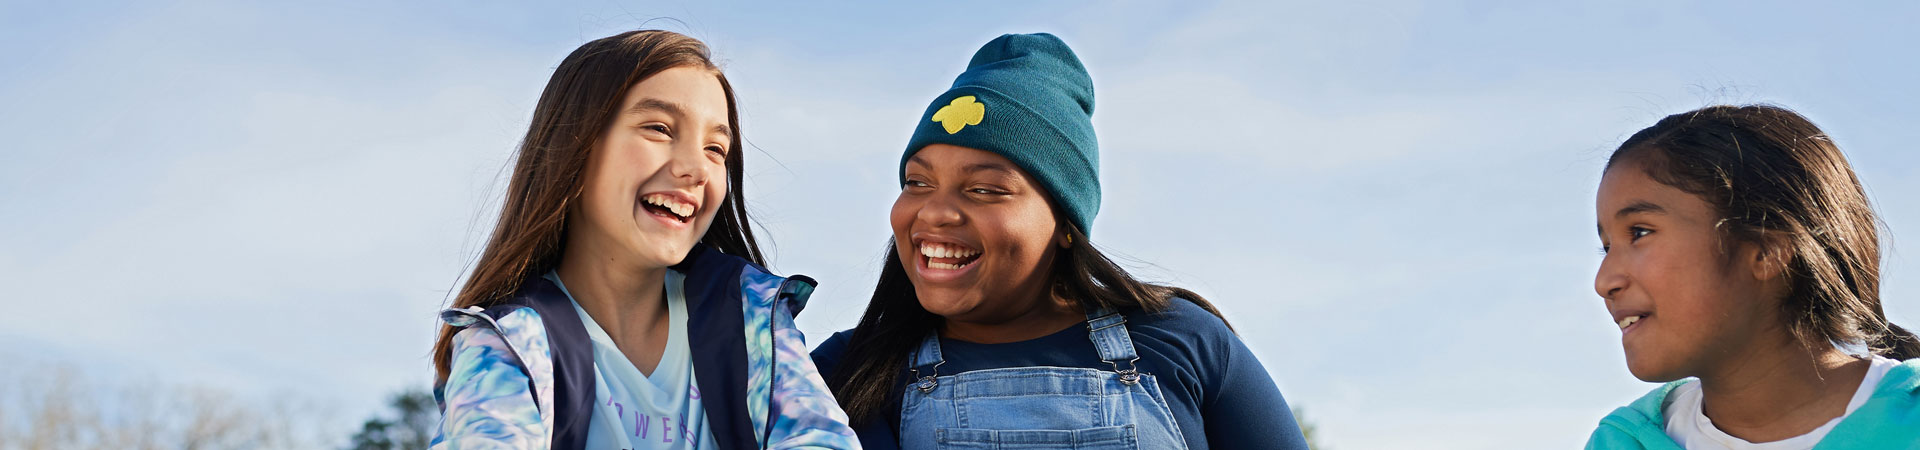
[1780, 391]
[622, 296]
[1047, 315]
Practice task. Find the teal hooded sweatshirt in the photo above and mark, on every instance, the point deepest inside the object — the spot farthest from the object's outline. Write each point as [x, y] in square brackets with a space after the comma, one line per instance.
[1889, 419]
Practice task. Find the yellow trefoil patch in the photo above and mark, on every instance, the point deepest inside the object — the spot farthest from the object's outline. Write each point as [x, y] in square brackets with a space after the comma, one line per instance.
[961, 112]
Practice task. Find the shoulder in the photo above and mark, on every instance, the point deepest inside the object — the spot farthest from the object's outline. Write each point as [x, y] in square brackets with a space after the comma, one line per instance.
[708, 273]
[1620, 430]
[476, 348]
[1182, 321]
[830, 351]
[1611, 436]
[1189, 343]
[487, 399]
[509, 328]
[485, 372]
[1179, 311]
[834, 344]
[503, 347]
[1903, 379]
[1894, 408]
[1640, 424]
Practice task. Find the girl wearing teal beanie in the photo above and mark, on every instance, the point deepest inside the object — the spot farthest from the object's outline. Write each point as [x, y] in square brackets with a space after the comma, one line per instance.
[1741, 257]
[997, 324]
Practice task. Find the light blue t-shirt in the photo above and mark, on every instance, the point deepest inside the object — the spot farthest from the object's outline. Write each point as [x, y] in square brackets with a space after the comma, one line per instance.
[640, 411]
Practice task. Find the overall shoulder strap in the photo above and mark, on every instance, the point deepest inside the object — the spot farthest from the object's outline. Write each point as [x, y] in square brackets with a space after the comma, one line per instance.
[1108, 329]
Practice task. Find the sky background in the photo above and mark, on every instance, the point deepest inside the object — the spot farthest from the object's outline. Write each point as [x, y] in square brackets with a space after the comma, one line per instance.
[1392, 201]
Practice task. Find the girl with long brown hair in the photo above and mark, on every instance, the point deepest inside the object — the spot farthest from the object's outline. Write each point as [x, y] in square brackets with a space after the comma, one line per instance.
[621, 301]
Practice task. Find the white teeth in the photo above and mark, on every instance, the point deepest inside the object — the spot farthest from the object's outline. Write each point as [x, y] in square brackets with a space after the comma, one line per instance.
[935, 265]
[1629, 320]
[946, 251]
[672, 204]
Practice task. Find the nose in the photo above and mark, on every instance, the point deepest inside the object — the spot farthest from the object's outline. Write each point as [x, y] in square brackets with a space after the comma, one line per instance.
[1610, 280]
[939, 211]
[689, 165]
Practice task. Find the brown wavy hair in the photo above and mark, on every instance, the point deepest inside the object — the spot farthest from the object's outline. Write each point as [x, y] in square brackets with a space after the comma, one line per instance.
[1775, 179]
[574, 111]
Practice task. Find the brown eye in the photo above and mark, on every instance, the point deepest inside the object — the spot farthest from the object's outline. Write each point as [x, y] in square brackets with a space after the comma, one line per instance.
[987, 190]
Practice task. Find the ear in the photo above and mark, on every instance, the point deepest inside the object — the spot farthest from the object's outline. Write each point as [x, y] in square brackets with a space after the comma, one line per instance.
[1771, 255]
[1064, 238]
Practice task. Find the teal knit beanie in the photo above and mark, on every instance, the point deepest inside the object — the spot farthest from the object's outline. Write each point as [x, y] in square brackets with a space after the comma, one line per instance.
[1027, 98]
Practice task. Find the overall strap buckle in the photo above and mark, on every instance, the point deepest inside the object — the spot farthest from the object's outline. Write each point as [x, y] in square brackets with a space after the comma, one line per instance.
[1129, 376]
[928, 355]
[929, 382]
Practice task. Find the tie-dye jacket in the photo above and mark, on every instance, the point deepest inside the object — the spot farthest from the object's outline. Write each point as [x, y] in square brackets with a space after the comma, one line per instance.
[522, 372]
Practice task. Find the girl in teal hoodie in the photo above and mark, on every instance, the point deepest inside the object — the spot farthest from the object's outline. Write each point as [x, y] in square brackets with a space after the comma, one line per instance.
[1743, 268]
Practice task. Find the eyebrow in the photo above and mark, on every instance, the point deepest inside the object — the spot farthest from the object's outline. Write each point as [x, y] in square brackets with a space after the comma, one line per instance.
[672, 109]
[970, 168]
[981, 167]
[1637, 207]
[654, 104]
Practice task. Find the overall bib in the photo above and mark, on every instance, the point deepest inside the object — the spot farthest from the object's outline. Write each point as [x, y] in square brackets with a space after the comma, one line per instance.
[1039, 407]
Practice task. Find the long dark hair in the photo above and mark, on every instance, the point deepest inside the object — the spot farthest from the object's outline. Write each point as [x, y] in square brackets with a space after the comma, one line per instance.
[1776, 180]
[574, 111]
[894, 323]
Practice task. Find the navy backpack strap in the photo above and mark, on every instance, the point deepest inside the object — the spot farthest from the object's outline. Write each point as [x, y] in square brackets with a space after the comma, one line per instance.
[714, 313]
[573, 384]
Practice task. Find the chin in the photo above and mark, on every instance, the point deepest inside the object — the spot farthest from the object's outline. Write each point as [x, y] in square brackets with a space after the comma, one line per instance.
[943, 306]
[661, 255]
[675, 255]
[1652, 372]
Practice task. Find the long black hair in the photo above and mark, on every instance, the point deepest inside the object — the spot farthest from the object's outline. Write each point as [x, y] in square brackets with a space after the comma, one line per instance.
[895, 324]
[1776, 180]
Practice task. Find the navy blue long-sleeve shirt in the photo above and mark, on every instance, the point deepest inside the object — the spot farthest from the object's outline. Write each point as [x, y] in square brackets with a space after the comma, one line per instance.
[1219, 394]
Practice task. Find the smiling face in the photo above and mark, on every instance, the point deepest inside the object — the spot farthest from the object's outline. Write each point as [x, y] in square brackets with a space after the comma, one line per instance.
[654, 181]
[1687, 300]
[976, 234]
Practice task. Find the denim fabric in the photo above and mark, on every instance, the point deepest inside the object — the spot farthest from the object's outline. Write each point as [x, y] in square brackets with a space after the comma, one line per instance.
[1040, 407]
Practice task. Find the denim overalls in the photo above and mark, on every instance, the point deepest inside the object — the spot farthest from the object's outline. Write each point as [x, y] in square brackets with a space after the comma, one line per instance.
[1039, 407]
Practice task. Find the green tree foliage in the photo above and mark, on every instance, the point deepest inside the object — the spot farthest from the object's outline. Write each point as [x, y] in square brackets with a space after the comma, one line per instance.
[1307, 428]
[409, 425]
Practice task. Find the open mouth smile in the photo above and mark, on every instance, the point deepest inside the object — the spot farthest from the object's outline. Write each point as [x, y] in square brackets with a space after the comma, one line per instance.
[1629, 320]
[672, 207]
[947, 256]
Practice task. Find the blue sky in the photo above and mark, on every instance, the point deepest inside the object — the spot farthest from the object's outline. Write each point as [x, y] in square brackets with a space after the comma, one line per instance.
[1391, 200]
